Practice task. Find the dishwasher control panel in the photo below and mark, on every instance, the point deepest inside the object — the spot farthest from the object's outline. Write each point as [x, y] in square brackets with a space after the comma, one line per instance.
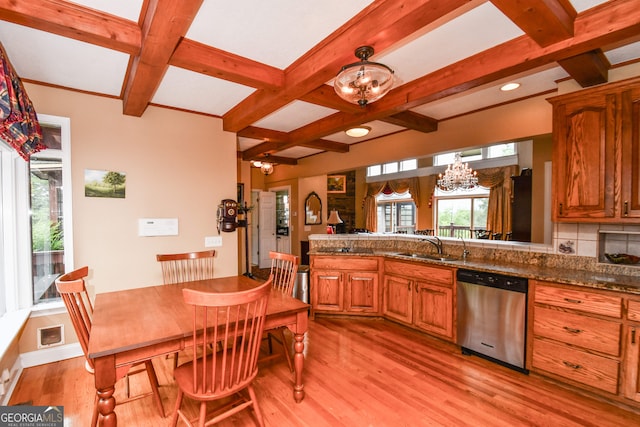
[516, 284]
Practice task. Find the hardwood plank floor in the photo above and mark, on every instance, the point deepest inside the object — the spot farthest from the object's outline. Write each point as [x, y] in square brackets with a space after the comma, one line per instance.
[358, 372]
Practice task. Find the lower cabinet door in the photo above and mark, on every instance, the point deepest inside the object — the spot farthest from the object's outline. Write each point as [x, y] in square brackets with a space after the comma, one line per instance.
[631, 381]
[327, 293]
[433, 309]
[362, 293]
[397, 301]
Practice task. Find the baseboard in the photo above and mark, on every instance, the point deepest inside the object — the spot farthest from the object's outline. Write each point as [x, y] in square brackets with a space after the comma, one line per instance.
[39, 357]
[49, 355]
[16, 371]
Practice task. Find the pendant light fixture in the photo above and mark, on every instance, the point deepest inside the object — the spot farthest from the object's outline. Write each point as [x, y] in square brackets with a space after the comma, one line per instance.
[458, 176]
[363, 82]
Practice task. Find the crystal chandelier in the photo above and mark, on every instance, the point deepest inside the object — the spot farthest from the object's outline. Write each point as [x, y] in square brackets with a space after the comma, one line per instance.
[363, 82]
[458, 176]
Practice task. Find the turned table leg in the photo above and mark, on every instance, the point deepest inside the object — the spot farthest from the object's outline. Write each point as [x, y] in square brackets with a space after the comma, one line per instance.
[105, 378]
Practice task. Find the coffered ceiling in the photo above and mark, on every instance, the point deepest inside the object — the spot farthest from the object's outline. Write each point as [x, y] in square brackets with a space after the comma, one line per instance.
[266, 67]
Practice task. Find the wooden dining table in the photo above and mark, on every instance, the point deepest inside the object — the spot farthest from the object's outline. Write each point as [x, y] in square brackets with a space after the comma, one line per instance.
[142, 323]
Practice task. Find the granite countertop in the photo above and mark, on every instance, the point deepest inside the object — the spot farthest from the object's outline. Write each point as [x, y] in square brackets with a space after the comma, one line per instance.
[596, 280]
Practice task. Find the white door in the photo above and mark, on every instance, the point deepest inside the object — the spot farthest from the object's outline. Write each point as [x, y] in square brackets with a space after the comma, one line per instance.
[267, 227]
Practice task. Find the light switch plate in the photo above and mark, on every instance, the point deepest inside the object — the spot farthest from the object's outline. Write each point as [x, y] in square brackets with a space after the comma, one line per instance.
[212, 241]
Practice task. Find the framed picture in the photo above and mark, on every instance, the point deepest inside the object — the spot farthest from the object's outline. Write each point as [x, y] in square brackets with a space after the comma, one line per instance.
[99, 183]
[336, 183]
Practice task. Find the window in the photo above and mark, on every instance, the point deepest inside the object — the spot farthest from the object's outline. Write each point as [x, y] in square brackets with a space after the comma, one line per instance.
[490, 152]
[35, 231]
[392, 167]
[396, 213]
[460, 213]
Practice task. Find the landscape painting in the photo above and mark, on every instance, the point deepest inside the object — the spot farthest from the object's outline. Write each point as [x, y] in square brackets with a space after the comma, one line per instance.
[99, 183]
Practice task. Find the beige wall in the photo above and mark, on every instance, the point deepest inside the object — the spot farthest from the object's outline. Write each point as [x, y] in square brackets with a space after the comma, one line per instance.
[177, 164]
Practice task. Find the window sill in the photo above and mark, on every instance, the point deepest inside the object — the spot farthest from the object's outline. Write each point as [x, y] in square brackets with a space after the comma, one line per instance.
[11, 324]
[48, 308]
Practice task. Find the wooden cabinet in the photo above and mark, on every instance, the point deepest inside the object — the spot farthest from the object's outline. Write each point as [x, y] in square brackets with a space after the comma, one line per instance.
[577, 335]
[596, 154]
[631, 378]
[420, 295]
[345, 284]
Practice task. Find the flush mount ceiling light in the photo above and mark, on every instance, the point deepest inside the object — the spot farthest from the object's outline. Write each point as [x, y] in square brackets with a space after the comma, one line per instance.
[363, 82]
[358, 131]
[510, 86]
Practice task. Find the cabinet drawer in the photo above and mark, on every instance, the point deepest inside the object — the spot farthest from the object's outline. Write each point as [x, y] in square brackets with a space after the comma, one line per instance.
[589, 302]
[353, 263]
[595, 371]
[575, 329]
[418, 272]
[633, 313]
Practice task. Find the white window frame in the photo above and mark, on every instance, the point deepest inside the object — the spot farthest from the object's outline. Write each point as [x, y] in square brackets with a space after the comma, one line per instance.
[15, 233]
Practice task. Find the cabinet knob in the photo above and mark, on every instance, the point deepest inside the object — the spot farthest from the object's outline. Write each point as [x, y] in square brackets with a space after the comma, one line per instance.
[572, 330]
[633, 335]
[560, 211]
[626, 208]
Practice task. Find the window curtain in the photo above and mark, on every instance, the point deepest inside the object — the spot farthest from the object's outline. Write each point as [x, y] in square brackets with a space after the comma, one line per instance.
[396, 186]
[498, 180]
[19, 124]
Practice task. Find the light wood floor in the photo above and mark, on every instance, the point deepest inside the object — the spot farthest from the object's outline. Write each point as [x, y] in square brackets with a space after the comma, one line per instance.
[357, 373]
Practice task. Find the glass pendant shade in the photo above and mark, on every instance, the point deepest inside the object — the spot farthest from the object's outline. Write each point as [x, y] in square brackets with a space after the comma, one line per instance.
[458, 176]
[266, 168]
[363, 82]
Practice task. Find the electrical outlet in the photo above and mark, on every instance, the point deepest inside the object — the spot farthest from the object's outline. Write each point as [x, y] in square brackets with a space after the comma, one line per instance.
[212, 241]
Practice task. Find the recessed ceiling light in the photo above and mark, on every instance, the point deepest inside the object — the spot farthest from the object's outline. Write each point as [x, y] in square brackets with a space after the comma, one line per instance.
[510, 86]
[358, 131]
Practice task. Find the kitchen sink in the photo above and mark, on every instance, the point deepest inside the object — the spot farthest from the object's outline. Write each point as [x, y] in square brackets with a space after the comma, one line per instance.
[435, 257]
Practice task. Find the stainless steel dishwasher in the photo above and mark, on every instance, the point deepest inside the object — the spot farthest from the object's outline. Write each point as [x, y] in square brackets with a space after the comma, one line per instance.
[492, 317]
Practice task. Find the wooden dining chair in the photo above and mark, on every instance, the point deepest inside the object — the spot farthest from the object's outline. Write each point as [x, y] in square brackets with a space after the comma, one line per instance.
[284, 268]
[72, 289]
[234, 324]
[186, 267]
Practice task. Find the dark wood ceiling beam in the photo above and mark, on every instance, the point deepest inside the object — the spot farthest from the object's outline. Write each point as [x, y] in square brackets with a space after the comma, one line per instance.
[217, 63]
[164, 25]
[74, 21]
[381, 24]
[588, 69]
[411, 120]
[280, 160]
[607, 24]
[326, 145]
[255, 132]
[256, 152]
[545, 21]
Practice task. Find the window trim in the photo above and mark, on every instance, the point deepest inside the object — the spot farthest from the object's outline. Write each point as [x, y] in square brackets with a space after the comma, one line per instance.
[16, 221]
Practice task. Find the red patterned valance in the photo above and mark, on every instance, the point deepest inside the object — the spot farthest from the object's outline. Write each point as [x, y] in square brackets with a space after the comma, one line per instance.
[18, 120]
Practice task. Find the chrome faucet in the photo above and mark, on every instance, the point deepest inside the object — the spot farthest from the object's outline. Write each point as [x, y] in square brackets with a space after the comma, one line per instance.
[465, 252]
[437, 243]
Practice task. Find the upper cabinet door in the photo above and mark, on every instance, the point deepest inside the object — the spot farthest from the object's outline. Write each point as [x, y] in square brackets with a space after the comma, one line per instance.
[630, 187]
[584, 158]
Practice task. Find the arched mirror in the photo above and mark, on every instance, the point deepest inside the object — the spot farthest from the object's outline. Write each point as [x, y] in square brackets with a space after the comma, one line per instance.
[312, 209]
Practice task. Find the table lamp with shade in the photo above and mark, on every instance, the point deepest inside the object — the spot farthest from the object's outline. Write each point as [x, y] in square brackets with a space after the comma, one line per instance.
[333, 220]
